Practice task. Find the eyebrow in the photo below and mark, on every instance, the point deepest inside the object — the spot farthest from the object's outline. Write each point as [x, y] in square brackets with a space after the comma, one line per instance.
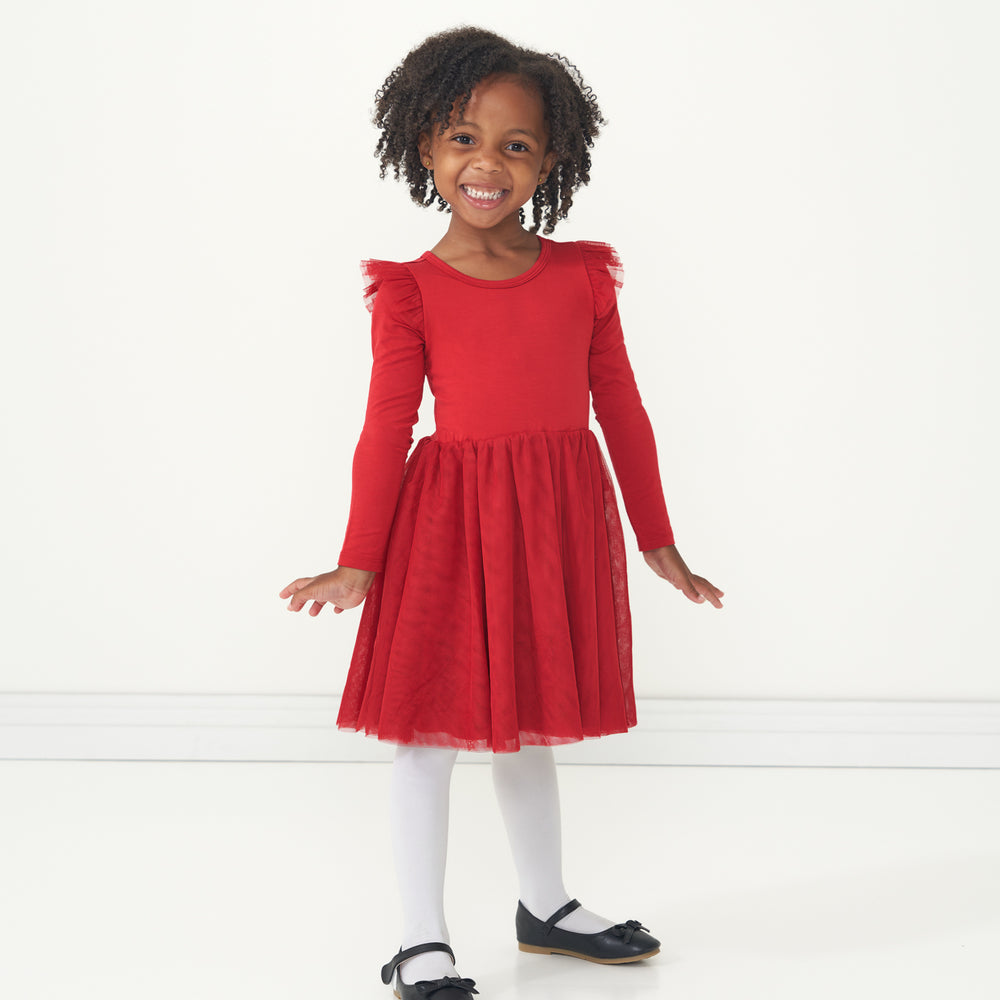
[513, 131]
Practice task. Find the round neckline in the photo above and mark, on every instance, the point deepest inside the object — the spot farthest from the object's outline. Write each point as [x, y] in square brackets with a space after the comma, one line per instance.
[518, 279]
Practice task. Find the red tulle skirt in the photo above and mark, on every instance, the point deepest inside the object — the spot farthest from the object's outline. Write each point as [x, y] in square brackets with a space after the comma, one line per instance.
[502, 615]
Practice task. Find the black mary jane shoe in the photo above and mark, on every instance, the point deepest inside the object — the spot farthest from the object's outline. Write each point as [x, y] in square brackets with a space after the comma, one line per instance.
[448, 988]
[622, 943]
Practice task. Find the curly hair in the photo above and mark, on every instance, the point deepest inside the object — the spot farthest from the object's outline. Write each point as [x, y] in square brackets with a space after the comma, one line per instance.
[422, 90]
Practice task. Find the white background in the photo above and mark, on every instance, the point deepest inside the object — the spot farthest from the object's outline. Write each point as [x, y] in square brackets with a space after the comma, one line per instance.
[804, 196]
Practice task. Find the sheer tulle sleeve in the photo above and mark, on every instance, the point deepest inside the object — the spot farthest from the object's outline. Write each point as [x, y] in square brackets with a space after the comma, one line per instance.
[397, 383]
[618, 406]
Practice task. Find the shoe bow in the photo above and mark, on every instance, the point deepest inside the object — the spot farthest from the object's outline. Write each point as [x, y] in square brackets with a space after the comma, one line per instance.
[426, 987]
[627, 929]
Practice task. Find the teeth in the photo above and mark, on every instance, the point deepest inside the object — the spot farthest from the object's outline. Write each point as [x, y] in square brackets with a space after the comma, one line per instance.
[483, 195]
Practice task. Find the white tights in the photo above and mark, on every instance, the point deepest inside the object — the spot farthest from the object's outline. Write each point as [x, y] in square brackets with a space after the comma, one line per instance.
[528, 794]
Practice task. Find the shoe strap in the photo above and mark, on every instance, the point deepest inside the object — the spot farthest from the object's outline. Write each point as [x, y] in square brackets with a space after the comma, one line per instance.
[573, 904]
[418, 949]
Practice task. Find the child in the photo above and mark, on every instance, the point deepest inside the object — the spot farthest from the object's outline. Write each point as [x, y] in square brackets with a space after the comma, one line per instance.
[492, 561]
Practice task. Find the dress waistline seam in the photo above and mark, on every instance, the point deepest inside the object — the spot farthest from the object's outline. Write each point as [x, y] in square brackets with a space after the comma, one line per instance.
[446, 437]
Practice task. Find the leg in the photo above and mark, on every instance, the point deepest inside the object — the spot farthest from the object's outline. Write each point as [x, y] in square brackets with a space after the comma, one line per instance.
[418, 814]
[528, 793]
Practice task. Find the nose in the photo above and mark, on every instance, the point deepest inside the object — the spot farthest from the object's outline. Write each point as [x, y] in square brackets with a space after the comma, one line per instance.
[487, 160]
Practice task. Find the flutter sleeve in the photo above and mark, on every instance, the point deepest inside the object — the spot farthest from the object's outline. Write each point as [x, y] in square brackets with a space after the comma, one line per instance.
[618, 406]
[397, 383]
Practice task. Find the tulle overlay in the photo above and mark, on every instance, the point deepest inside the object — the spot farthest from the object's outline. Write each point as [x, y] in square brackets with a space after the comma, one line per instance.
[505, 577]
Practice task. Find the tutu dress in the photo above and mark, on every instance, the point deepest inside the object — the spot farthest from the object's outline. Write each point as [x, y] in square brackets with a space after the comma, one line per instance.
[499, 614]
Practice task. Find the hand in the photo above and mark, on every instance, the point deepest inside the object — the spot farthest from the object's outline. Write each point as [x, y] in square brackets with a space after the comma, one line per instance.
[667, 562]
[343, 588]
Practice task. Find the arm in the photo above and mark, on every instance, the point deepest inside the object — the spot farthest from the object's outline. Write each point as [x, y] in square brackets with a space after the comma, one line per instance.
[629, 436]
[394, 397]
[627, 431]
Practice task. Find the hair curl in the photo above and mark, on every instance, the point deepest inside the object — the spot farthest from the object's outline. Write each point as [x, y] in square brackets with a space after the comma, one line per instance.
[421, 91]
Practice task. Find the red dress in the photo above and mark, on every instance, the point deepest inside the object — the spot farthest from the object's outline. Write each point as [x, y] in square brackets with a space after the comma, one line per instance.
[499, 615]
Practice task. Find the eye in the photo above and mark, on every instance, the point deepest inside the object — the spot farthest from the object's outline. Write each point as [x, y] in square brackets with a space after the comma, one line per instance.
[518, 147]
[462, 139]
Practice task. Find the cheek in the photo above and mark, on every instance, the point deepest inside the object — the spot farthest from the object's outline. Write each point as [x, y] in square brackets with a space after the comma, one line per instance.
[447, 158]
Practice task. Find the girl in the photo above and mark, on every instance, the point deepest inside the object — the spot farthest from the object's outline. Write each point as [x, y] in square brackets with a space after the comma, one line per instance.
[491, 562]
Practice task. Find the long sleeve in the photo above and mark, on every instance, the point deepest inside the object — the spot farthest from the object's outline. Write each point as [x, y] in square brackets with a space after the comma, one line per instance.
[394, 394]
[619, 410]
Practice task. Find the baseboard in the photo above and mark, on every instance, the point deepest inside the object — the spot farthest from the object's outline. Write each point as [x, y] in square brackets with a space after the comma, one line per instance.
[688, 732]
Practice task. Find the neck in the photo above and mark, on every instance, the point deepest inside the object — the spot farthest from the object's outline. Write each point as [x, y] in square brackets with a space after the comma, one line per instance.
[500, 241]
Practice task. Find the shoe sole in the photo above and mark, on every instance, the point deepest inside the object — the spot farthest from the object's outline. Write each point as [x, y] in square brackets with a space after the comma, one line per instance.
[536, 950]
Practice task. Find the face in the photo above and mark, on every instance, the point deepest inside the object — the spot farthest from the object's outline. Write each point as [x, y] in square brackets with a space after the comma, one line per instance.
[490, 159]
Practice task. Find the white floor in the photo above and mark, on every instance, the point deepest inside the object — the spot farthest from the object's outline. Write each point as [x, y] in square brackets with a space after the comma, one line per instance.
[211, 881]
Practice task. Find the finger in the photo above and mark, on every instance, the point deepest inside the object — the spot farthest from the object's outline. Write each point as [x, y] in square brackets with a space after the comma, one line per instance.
[317, 607]
[690, 591]
[337, 610]
[302, 581]
[710, 591]
[713, 599]
[299, 599]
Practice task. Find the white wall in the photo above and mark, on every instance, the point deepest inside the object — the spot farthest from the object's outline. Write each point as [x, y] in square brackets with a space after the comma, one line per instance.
[804, 195]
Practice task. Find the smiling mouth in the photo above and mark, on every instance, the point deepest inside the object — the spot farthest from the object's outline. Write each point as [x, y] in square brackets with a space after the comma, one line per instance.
[488, 196]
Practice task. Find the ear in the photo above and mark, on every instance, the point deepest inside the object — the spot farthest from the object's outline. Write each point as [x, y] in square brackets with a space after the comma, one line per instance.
[424, 148]
[548, 163]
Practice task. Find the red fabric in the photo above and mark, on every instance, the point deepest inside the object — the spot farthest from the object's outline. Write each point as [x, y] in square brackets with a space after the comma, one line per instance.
[499, 615]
